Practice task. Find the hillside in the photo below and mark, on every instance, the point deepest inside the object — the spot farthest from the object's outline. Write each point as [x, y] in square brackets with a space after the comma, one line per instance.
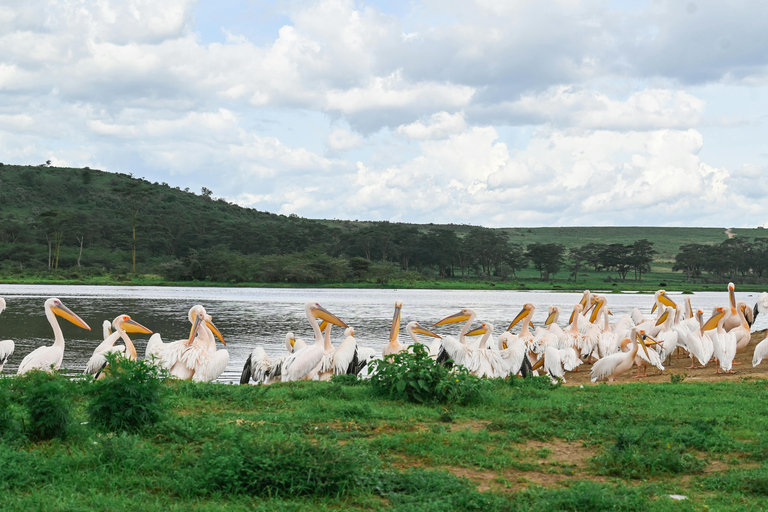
[82, 221]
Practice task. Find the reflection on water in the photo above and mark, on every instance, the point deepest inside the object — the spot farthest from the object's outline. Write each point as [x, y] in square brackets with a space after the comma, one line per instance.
[248, 317]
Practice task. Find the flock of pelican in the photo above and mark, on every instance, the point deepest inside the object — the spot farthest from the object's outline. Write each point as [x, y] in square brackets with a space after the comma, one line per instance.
[589, 337]
[194, 358]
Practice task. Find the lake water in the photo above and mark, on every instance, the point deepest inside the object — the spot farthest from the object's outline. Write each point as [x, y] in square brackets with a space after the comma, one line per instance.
[248, 317]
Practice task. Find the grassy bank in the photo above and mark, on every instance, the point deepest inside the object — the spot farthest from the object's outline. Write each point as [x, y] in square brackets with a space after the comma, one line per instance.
[331, 445]
[602, 281]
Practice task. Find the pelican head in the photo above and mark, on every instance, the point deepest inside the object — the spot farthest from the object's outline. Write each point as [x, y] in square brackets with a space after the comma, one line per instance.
[527, 309]
[661, 297]
[576, 311]
[714, 319]
[479, 330]
[125, 323]
[290, 341]
[641, 336]
[663, 317]
[59, 309]
[320, 312]
[732, 295]
[598, 304]
[554, 312]
[462, 316]
[349, 331]
[415, 327]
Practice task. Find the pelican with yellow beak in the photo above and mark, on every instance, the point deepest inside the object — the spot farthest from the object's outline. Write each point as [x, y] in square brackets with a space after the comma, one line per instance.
[265, 370]
[451, 348]
[724, 343]
[201, 356]
[611, 366]
[122, 324]
[305, 364]
[169, 355]
[45, 358]
[412, 329]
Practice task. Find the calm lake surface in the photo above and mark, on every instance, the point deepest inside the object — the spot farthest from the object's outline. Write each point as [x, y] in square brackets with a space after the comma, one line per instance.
[248, 317]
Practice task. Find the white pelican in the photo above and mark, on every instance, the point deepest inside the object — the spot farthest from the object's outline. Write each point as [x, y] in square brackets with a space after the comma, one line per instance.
[6, 346]
[305, 363]
[394, 346]
[525, 315]
[43, 358]
[761, 351]
[201, 356]
[123, 324]
[450, 348]
[106, 328]
[732, 321]
[611, 366]
[742, 331]
[667, 337]
[761, 305]
[699, 343]
[724, 342]
[514, 351]
[484, 362]
[169, 355]
[264, 370]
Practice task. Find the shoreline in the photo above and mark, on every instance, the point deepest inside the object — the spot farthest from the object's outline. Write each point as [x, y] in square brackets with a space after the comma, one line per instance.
[630, 287]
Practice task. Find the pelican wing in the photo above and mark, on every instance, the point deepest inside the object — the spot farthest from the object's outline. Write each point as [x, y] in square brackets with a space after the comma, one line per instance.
[42, 358]
[302, 364]
[98, 360]
[344, 355]
[514, 354]
[6, 351]
[211, 367]
[761, 352]
[605, 367]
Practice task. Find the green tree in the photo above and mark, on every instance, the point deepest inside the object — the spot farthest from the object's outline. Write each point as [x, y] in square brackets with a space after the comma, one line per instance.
[546, 258]
[642, 257]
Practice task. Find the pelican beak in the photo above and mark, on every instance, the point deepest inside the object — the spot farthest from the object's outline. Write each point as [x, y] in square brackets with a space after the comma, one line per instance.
[652, 342]
[522, 314]
[477, 331]
[572, 318]
[653, 309]
[395, 329]
[216, 332]
[292, 341]
[195, 326]
[662, 318]
[732, 294]
[550, 317]
[538, 364]
[504, 344]
[642, 337]
[666, 301]
[583, 301]
[713, 321]
[596, 312]
[458, 317]
[426, 332]
[323, 326]
[324, 314]
[67, 314]
[134, 326]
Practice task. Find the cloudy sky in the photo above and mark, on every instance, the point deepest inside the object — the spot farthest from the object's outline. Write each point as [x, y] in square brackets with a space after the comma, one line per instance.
[490, 112]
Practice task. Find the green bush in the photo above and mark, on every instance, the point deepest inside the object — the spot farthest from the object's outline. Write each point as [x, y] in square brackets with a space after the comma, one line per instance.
[744, 481]
[291, 467]
[46, 396]
[129, 397]
[416, 377]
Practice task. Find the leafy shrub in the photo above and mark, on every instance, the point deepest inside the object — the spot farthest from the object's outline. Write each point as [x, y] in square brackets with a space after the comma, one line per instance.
[292, 467]
[130, 397]
[46, 396]
[640, 453]
[6, 415]
[541, 382]
[416, 377]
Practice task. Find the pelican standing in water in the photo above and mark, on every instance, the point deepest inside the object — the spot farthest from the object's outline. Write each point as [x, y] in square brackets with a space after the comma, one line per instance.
[123, 324]
[45, 358]
[6, 346]
[305, 363]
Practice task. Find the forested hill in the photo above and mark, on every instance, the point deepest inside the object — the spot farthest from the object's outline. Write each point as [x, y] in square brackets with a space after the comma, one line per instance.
[82, 221]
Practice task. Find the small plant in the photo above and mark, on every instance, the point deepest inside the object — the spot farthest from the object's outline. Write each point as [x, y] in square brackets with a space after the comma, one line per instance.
[130, 397]
[46, 398]
[677, 378]
[416, 377]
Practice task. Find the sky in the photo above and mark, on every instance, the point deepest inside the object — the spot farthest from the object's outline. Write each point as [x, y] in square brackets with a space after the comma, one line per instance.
[486, 112]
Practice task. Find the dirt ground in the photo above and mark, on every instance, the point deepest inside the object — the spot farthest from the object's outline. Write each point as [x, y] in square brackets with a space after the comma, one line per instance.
[679, 366]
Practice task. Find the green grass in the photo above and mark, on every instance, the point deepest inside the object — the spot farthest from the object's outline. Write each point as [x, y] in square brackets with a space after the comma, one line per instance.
[331, 445]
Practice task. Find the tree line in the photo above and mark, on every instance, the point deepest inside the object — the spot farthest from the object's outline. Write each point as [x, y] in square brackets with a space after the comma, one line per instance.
[82, 222]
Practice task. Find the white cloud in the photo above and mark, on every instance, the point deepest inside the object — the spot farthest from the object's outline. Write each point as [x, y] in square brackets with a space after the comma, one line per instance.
[343, 140]
[439, 126]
